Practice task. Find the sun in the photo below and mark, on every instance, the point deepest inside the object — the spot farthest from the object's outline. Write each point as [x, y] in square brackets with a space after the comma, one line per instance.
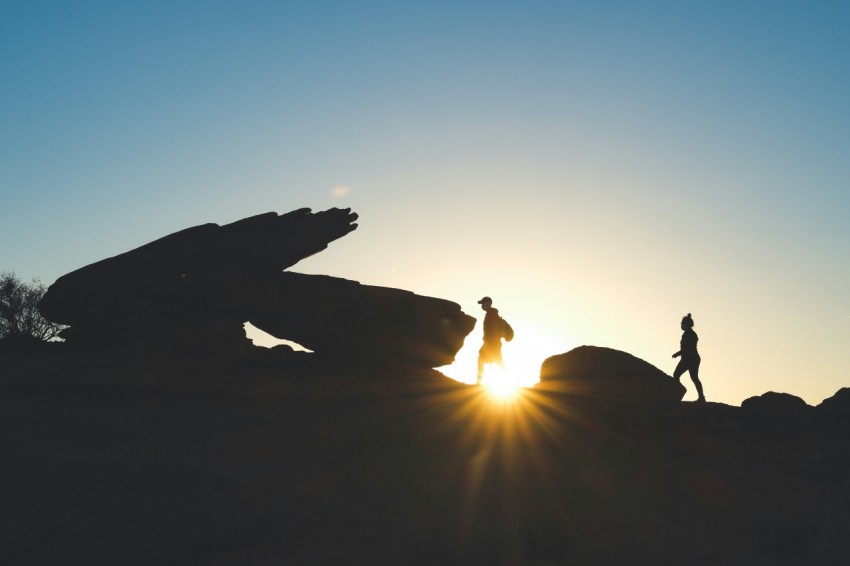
[500, 383]
[522, 357]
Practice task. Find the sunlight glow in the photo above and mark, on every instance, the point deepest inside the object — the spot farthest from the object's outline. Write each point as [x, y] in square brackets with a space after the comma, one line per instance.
[500, 384]
[340, 191]
[522, 357]
[266, 340]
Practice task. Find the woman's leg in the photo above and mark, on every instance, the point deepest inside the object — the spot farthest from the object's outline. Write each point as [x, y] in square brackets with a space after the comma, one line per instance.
[694, 371]
[681, 368]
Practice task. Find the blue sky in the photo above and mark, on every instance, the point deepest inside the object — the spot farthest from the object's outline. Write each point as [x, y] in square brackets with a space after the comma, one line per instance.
[600, 169]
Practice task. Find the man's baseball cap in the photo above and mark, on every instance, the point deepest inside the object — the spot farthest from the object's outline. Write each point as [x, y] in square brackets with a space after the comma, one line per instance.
[485, 300]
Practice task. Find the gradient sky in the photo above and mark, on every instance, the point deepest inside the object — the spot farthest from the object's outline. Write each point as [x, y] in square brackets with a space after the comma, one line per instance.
[599, 168]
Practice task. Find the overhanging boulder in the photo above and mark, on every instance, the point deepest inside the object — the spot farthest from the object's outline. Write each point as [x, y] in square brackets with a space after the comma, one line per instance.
[361, 323]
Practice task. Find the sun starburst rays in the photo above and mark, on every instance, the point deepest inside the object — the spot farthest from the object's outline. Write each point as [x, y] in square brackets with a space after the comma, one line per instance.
[499, 441]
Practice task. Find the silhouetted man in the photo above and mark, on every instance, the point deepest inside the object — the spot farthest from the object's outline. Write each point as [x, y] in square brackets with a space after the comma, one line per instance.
[491, 351]
[690, 357]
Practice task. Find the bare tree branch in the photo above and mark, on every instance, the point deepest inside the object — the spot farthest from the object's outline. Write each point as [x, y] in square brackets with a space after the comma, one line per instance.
[19, 312]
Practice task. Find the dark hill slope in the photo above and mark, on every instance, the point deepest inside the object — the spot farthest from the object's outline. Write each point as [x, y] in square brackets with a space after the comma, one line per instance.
[127, 464]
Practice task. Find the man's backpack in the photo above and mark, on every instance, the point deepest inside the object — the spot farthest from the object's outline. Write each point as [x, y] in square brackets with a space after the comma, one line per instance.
[507, 331]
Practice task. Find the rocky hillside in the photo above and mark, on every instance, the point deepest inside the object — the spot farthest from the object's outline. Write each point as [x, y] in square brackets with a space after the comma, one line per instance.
[161, 461]
[157, 434]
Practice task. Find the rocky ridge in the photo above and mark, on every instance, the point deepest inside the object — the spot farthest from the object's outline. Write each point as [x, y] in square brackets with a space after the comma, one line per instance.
[193, 291]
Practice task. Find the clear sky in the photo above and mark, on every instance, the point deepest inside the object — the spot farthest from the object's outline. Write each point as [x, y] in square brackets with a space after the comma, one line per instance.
[599, 168]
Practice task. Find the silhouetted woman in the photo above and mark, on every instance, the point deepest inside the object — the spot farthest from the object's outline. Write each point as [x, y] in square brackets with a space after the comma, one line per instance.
[690, 357]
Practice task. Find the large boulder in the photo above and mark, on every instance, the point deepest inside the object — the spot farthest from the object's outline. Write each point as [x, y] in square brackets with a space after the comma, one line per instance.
[194, 290]
[604, 380]
[781, 410]
[360, 323]
[834, 413]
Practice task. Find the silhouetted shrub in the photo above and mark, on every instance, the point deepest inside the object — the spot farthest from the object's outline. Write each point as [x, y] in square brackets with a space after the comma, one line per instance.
[19, 314]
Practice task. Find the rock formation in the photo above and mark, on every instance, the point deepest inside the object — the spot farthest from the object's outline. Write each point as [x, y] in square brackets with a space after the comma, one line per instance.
[834, 413]
[153, 467]
[194, 289]
[603, 380]
[778, 409]
[419, 470]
